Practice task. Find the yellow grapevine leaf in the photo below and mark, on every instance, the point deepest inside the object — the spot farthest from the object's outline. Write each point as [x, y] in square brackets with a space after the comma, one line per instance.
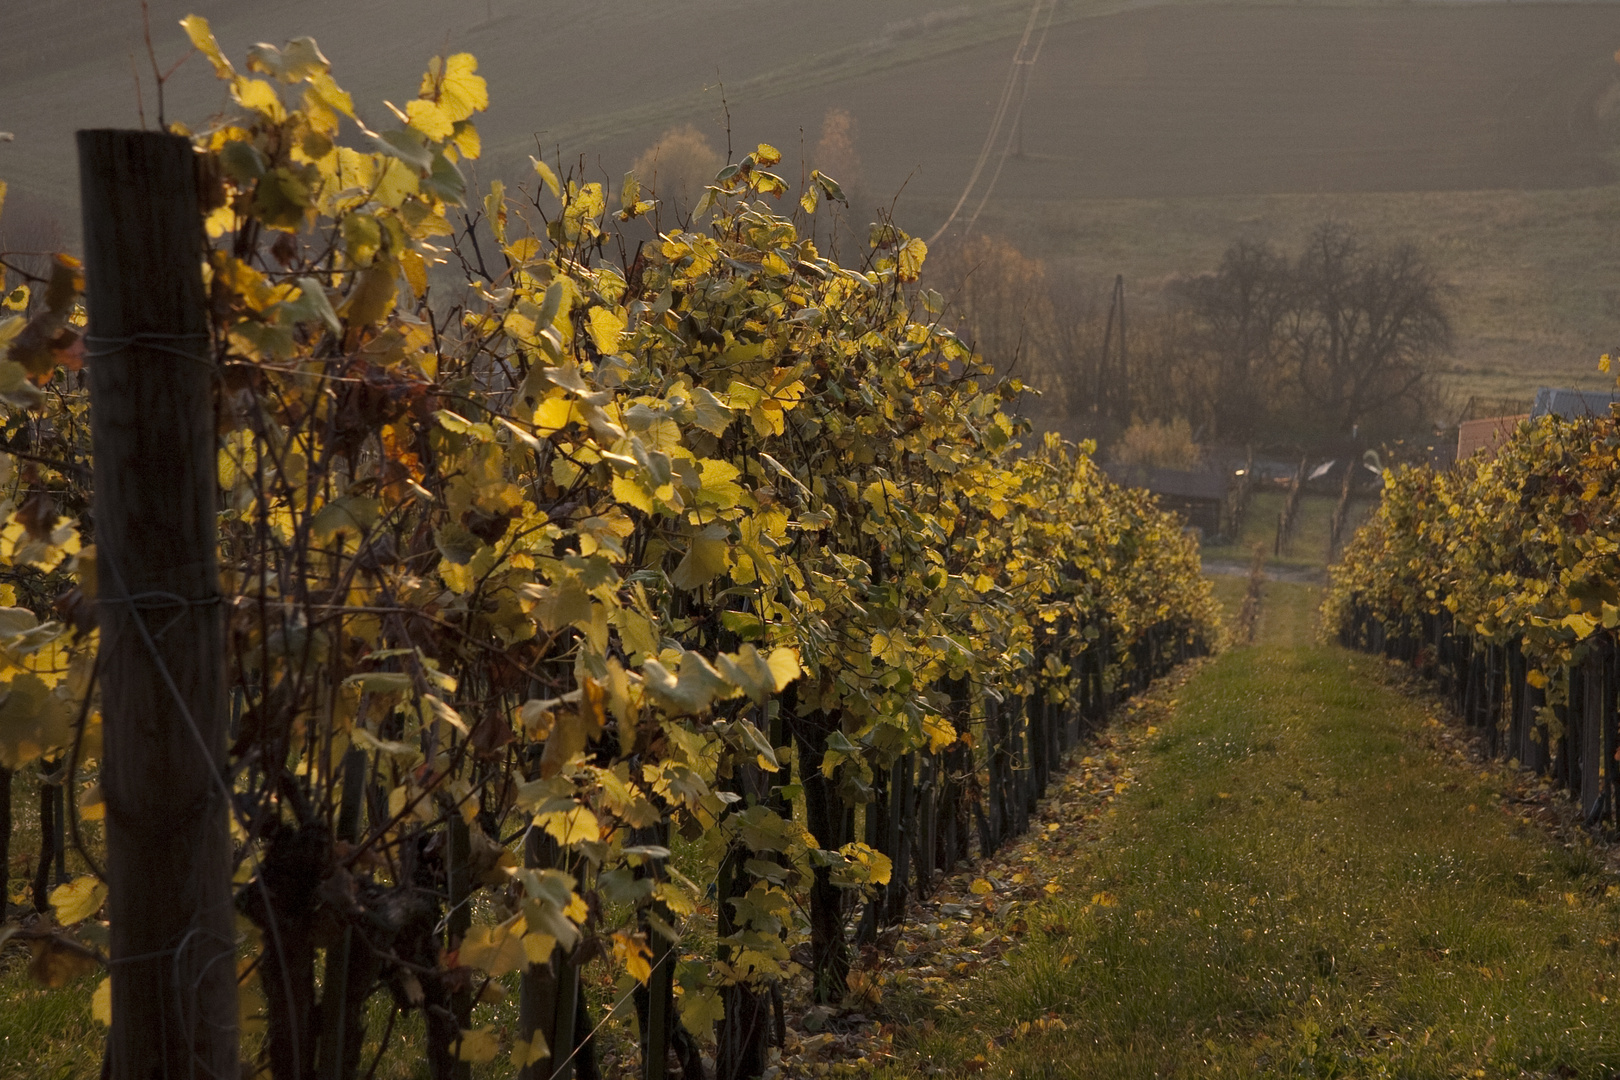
[329, 94]
[626, 490]
[479, 1047]
[750, 671]
[202, 39]
[494, 949]
[719, 487]
[549, 177]
[101, 1002]
[527, 1052]
[939, 731]
[564, 603]
[569, 736]
[1581, 623]
[259, 95]
[538, 946]
[429, 118]
[784, 665]
[607, 328]
[576, 826]
[467, 140]
[92, 807]
[56, 963]
[460, 92]
[701, 1010]
[78, 899]
[981, 887]
[911, 259]
[704, 561]
[633, 953]
[415, 270]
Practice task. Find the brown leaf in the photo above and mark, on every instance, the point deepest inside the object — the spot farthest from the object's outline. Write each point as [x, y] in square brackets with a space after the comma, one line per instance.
[38, 515]
[285, 249]
[489, 735]
[57, 962]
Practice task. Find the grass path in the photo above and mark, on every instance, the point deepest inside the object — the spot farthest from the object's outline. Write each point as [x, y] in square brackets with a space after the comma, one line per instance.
[1300, 881]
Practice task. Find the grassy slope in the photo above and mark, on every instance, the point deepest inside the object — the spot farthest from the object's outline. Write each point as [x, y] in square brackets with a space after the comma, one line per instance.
[1300, 885]
[1531, 273]
[598, 78]
[1531, 269]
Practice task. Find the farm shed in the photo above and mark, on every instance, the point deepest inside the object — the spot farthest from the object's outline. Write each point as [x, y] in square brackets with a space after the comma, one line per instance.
[1485, 434]
[1200, 497]
[1572, 404]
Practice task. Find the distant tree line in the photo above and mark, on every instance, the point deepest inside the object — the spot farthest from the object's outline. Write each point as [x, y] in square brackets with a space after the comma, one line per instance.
[1265, 348]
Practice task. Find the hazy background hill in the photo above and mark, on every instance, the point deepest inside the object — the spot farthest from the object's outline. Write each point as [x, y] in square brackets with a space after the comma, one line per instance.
[1152, 137]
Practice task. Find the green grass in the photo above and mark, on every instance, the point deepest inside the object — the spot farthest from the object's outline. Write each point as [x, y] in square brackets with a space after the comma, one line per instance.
[44, 1034]
[1303, 887]
[1229, 592]
[1307, 545]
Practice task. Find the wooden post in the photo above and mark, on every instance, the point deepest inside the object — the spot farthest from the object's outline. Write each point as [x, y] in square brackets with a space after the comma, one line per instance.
[5, 842]
[162, 638]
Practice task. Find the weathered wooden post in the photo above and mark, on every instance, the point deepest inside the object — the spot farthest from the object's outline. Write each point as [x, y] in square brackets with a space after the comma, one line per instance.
[162, 640]
[5, 838]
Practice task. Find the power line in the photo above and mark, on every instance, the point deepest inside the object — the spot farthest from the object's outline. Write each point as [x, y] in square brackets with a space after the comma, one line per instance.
[1018, 117]
[1007, 89]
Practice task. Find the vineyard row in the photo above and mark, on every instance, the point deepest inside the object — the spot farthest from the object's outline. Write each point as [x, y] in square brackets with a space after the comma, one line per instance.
[635, 631]
[1498, 579]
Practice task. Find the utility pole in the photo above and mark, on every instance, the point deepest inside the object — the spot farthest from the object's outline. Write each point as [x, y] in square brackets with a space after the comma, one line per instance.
[1116, 311]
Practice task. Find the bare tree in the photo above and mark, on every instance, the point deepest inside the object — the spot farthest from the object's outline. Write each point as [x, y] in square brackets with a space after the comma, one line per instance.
[1263, 348]
[997, 295]
[1241, 310]
[1368, 329]
[1072, 336]
[678, 167]
[835, 154]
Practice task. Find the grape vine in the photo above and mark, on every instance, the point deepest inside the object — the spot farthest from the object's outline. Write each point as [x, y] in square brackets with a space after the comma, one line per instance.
[581, 613]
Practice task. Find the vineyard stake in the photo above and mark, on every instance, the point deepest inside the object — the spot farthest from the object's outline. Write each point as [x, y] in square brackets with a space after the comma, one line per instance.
[162, 666]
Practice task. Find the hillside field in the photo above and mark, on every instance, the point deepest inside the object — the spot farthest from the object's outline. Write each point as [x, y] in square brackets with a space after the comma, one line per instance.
[1151, 138]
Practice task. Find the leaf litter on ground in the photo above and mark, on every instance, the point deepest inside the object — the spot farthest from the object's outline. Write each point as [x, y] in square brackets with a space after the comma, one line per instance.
[976, 917]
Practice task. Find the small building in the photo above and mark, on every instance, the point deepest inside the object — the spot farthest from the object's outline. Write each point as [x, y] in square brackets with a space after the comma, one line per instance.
[1486, 434]
[1572, 404]
[1199, 497]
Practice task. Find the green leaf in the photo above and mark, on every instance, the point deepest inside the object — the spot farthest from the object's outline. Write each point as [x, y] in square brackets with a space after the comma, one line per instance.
[409, 147]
